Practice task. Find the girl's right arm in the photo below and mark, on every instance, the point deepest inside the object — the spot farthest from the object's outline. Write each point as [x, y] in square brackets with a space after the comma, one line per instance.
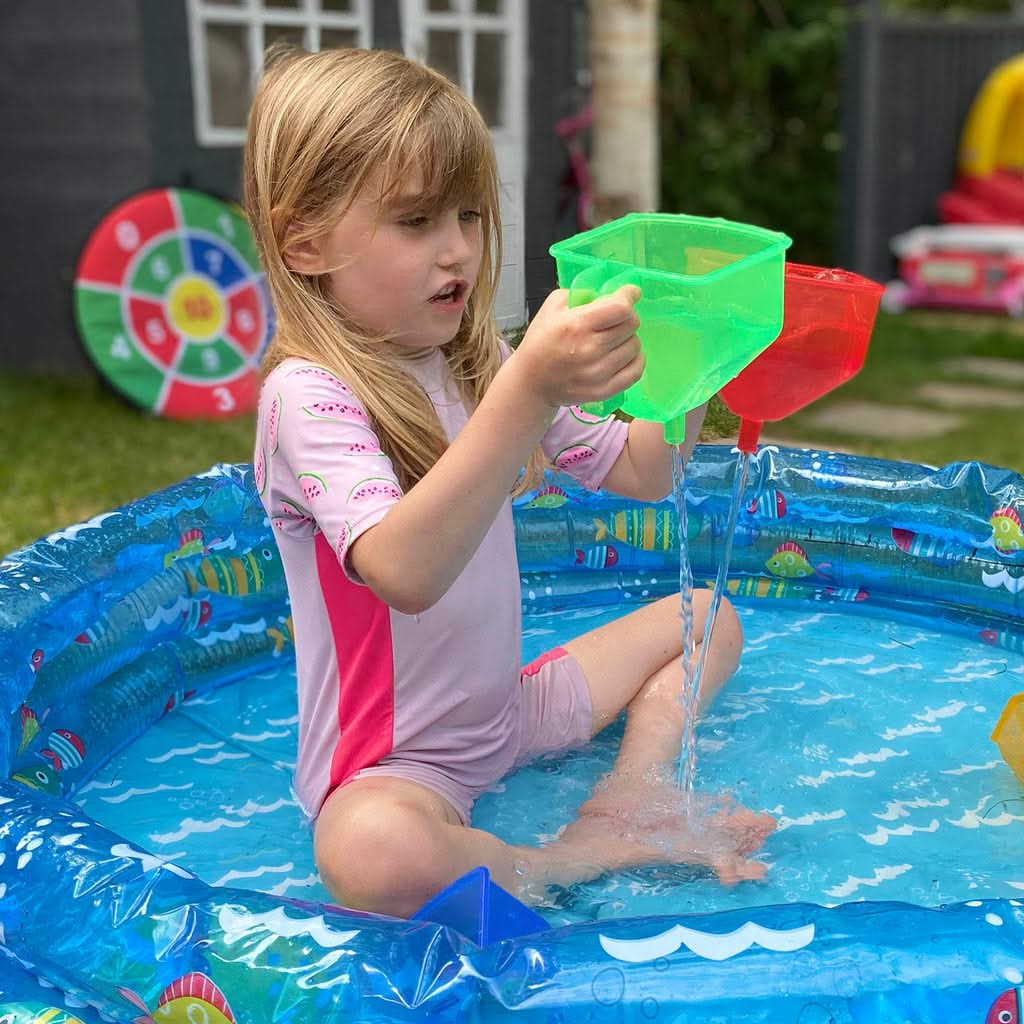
[568, 356]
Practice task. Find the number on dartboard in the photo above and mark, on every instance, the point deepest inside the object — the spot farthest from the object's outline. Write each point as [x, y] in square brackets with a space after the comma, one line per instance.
[119, 347]
[127, 234]
[225, 400]
[161, 268]
[155, 332]
[245, 321]
[226, 225]
[210, 359]
[214, 261]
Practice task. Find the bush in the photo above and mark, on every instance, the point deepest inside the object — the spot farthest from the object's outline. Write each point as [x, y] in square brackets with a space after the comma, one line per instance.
[750, 114]
[751, 110]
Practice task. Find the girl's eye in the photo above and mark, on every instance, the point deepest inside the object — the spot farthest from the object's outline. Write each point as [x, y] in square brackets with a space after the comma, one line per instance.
[469, 215]
[414, 222]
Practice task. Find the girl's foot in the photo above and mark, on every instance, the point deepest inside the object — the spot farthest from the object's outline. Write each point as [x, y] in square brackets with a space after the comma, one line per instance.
[650, 823]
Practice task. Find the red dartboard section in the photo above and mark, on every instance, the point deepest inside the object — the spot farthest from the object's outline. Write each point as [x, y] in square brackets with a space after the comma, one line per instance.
[172, 306]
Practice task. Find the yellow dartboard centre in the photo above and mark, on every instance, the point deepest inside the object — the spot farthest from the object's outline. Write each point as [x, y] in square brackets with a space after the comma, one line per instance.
[195, 308]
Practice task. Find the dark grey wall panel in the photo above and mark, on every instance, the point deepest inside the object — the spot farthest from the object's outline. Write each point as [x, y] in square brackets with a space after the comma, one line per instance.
[178, 159]
[73, 117]
[909, 88]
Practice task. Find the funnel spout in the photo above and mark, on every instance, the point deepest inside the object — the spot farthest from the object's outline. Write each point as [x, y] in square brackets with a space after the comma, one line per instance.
[675, 430]
[750, 431]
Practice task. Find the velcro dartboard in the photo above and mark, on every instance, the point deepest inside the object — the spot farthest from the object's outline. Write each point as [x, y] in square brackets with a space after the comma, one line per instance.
[172, 305]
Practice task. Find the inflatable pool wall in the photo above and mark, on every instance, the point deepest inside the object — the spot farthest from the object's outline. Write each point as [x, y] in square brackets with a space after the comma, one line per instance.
[110, 624]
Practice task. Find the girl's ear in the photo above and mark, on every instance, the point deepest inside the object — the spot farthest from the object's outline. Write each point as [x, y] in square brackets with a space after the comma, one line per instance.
[305, 258]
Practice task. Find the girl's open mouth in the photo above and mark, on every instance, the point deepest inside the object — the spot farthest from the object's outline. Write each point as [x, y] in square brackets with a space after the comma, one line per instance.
[451, 295]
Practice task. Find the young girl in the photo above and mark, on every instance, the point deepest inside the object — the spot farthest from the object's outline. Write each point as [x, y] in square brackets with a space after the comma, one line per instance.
[393, 426]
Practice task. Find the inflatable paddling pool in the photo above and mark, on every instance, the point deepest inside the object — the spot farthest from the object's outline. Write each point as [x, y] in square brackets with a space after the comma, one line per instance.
[130, 623]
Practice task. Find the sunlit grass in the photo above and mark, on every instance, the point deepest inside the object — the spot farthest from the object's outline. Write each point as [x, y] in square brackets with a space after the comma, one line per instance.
[908, 351]
[70, 448]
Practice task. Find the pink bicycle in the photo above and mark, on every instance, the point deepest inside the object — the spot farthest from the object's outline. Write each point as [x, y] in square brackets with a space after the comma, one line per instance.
[576, 186]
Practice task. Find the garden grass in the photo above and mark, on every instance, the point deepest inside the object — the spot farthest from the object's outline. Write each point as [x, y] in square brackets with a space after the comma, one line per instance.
[70, 448]
[913, 349]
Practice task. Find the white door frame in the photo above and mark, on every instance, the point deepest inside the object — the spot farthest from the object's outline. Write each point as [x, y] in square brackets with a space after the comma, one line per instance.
[509, 137]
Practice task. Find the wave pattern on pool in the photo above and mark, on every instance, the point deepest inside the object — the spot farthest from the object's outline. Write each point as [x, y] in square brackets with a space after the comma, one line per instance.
[866, 738]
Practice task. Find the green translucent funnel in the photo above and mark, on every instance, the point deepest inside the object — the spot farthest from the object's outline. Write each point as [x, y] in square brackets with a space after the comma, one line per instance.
[711, 302]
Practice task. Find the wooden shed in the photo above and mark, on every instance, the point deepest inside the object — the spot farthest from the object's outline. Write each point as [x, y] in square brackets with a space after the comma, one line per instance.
[103, 100]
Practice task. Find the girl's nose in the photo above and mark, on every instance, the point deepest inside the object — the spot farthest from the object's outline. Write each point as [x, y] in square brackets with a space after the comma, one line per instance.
[456, 241]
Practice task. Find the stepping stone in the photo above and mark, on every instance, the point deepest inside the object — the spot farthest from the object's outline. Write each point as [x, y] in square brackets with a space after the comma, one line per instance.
[971, 395]
[1006, 371]
[871, 419]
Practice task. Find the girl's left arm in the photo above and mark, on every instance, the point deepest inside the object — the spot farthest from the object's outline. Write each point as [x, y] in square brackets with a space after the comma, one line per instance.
[643, 469]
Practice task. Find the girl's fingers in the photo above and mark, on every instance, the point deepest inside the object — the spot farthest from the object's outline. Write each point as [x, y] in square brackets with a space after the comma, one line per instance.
[618, 354]
[628, 375]
[611, 310]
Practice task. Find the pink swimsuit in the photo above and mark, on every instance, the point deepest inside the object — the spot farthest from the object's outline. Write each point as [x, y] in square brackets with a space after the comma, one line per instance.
[439, 698]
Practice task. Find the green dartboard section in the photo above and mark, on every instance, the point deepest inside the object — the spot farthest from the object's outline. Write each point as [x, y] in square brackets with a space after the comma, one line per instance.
[172, 305]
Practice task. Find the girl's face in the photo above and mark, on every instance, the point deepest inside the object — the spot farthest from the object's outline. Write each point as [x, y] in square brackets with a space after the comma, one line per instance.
[404, 271]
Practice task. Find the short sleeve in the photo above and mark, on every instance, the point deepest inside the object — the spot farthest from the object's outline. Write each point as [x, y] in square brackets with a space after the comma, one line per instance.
[318, 462]
[581, 444]
[585, 446]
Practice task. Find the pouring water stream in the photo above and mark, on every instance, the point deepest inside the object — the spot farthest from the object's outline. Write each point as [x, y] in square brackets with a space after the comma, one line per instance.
[691, 680]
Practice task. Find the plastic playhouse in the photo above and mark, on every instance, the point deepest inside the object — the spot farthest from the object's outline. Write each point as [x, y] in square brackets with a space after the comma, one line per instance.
[975, 258]
[966, 266]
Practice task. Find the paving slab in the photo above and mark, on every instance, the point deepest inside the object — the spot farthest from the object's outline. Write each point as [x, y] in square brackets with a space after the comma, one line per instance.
[872, 419]
[971, 395]
[1006, 371]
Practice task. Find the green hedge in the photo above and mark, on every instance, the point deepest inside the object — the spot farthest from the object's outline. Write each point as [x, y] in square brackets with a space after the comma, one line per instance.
[750, 110]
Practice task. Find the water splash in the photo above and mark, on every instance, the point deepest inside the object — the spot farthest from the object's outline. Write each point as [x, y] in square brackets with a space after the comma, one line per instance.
[688, 694]
[691, 686]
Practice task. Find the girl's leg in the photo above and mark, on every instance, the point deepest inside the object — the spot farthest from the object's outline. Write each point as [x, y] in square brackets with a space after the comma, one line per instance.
[636, 662]
[388, 845]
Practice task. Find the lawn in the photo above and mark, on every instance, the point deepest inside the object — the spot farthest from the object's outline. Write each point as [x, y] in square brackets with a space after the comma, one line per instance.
[912, 358]
[71, 448]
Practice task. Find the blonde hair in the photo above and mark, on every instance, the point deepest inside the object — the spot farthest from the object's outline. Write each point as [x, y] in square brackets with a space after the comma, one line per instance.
[321, 126]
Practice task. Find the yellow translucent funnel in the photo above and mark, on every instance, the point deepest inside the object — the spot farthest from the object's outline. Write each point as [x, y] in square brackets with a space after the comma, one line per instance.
[1008, 735]
[711, 302]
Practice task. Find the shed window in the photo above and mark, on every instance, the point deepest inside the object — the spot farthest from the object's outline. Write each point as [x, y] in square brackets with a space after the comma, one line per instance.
[227, 41]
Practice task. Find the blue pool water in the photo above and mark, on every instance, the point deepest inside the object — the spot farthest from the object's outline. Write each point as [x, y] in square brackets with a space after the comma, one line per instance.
[868, 739]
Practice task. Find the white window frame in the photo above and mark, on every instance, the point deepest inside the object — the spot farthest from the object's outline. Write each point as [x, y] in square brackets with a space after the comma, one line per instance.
[255, 17]
[417, 21]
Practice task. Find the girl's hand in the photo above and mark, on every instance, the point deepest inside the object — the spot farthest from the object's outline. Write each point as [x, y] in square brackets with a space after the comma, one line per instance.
[583, 354]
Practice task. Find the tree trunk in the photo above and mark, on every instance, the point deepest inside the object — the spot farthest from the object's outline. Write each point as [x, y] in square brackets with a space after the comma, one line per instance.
[624, 65]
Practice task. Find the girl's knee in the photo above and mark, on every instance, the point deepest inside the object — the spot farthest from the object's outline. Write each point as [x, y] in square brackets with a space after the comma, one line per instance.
[728, 634]
[730, 621]
[384, 857]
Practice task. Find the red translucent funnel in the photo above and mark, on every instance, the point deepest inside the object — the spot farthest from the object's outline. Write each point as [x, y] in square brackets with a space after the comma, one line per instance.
[827, 324]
